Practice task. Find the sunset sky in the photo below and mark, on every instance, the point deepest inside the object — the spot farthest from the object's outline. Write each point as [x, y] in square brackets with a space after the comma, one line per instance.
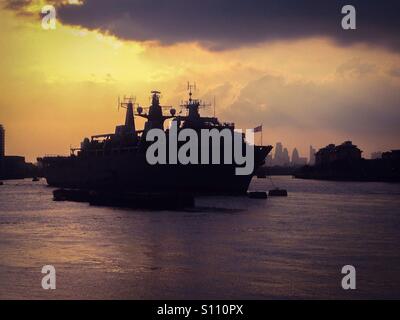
[286, 64]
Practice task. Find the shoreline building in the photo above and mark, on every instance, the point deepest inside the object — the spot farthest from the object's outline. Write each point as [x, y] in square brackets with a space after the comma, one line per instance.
[12, 167]
[376, 155]
[345, 163]
[2, 142]
[2, 149]
[347, 151]
[393, 155]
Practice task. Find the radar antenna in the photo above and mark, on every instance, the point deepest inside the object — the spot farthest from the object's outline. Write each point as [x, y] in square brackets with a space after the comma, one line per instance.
[191, 87]
[193, 104]
[125, 101]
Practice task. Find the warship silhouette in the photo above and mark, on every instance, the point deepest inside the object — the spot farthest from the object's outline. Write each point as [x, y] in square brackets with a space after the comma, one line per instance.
[117, 161]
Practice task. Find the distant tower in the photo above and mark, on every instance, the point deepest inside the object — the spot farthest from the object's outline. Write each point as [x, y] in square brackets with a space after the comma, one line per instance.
[295, 157]
[285, 157]
[2, 142]
[269, 161]
[278, 154]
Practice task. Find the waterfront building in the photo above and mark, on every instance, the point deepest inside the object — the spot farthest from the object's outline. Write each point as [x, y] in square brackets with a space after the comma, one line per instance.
[344, 152]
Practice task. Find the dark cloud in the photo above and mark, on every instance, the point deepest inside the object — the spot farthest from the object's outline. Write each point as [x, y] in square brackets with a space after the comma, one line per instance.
[17, 5]
[221, 24]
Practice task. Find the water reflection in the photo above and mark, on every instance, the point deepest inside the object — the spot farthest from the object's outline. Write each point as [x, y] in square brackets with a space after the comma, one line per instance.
[227, 248]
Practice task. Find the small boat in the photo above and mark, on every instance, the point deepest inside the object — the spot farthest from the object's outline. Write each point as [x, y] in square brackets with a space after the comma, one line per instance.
[1, 183]
[278, 193]
[35, 179]
[257, 195]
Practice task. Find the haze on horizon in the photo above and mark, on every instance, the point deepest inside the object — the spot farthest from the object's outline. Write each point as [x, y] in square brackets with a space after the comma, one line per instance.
[308, 81]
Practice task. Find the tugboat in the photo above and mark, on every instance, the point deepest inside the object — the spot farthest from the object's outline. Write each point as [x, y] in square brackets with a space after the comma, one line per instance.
[117, 161]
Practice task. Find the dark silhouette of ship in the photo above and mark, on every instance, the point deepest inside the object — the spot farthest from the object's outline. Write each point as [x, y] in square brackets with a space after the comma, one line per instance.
[117, 162]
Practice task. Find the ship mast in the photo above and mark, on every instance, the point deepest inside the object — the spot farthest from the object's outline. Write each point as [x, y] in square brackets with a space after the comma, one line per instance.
[128, 103]
[155, 117]
[193, 105]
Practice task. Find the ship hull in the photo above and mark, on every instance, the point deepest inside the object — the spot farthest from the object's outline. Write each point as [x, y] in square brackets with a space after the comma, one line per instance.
[131, 173]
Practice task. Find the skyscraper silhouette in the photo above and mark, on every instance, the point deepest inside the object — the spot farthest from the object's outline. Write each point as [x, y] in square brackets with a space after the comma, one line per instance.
[285, 157]
[278, 157]
[295, 157]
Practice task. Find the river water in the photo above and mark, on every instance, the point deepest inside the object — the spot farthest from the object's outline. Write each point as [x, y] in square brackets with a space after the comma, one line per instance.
[226, 248]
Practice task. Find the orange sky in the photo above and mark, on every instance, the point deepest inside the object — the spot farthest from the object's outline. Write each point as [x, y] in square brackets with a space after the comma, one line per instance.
[58, 86]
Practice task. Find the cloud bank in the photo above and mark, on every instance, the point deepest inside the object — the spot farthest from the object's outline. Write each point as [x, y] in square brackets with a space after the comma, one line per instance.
[353, 105]
[221, 24]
